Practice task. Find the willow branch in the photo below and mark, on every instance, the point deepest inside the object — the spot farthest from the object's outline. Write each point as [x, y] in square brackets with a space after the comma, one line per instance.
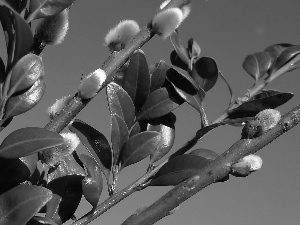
[213, 172]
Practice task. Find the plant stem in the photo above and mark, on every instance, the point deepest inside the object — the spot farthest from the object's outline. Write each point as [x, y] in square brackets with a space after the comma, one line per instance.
[213, 172]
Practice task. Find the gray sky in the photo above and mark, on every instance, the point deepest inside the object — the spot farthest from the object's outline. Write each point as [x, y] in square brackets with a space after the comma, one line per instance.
[226, 30]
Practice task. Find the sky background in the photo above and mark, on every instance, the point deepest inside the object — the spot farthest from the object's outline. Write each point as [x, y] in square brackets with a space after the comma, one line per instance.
[226, 30]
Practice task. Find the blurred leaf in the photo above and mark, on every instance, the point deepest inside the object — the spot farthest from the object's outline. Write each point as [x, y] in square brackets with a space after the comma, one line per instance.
[179, 57]
[24, 74]
[159, 75]
[19, 37]
[194, 49]
[137, 79]
[96, 144]
[179, 169]
[165, 125]
[119, 135]
[257, 64]
[157, 104]
[23, 101]
[20, 204]
[65, 183]
[205, 153]
[92, 185]
[265, 100]
[287, 55]
[120, 103]
[29, 140]
[45, 8]
[182, 80]
[205, 73]
[277, 49]
[139, 147]
[16, 171]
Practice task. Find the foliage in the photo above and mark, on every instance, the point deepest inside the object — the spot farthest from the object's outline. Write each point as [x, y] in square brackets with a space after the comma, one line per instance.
[39, 175]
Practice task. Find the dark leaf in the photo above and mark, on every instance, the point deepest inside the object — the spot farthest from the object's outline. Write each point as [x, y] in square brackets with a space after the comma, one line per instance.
[264, 100]
[205, 73]
[182, 80]
[258, 64]
[277, 49]
[167, 130]
[96, 144]
[176, 61]
[159, 75]
[139, 147]
[119, 135]
[287, 55]
[19, 37]
[29, 140]
[20, 204]
[2, 71]
[179, 169]
[16, 171]
[93, 170]
[138, 127]
[24, 74]
[21, 102]
[37, 220]
[205, 153]
[137, 79]
[120, 103]
[180, 56]
[157, 104]
[46, 8]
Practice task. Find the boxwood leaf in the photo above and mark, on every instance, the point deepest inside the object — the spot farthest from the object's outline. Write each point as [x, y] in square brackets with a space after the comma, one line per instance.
[158, 76]
[120, 103]
[23, 101]
[46, 8]
[276, 49]
[157, 104]
[265, 100]
[258, 64]
[137, 79]
[179, 169]
[139, 147]
[96, 144]
[119, 135]
[21, 203]
[19, 38]
[92, 168]
[205, 153]
[29, 140]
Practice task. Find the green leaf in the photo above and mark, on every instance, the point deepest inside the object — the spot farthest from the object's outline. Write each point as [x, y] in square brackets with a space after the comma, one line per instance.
[179, 169]
[19, 38]
[23, 101]
[119, 135]
[29, 140]
[159, 75]
[287, 55]
[258, 64]
[157, 104]
[24, 74]
[205, 153]
[139, 147]
[137, 79]
[182, 80]
[45, 8]
[265, 100]
[92, 185]
[16, 171]
[96, 144]
[205, 73]
[20, 204]
[165, 125]
[120, 103]
[276, 49]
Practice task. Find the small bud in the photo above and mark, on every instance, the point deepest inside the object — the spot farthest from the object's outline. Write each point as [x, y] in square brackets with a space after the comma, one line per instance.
[246, 165]
[167, 21]
[90, 84]
[52, 30]
[58, 106]
[268, 118]
[118, 37]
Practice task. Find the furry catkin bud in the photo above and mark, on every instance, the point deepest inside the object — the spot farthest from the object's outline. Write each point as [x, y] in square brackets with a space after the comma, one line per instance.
[167, 21]
[90, 84]
[246, 165]
[58, 106]
[118, 37]
[52, 30]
